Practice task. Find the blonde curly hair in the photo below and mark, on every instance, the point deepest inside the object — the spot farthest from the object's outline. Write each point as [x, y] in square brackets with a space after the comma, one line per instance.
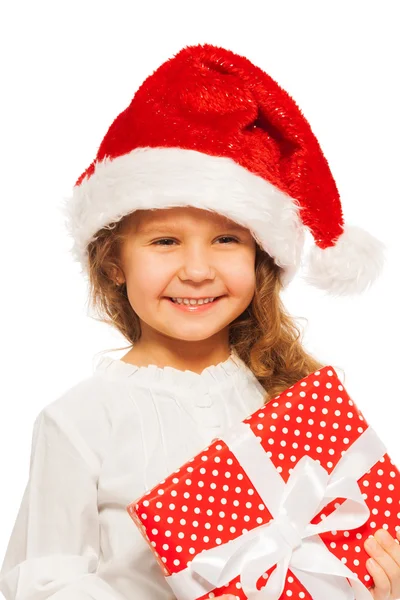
[265, 336]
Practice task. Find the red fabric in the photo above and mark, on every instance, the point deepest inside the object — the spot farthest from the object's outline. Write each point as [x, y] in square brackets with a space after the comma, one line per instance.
[214, 101]
[308, 414]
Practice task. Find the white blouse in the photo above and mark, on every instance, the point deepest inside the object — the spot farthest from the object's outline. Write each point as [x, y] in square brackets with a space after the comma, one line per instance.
[99, 447]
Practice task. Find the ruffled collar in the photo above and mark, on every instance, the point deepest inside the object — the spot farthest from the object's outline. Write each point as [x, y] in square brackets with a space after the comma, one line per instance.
[117, 369]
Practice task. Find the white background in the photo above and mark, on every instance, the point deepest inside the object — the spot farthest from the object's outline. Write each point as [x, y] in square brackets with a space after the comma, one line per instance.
[68, 69]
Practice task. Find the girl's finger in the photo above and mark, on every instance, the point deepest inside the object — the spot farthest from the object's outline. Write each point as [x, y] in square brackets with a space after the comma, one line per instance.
[385, 560]
[389, 544]
[382, 589]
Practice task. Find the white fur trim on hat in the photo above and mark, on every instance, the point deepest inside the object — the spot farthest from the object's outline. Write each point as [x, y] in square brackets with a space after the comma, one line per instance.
[160, 178]
[350, 266]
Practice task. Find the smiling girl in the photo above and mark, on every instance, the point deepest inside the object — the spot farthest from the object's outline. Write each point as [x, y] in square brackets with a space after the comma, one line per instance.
[188, 224]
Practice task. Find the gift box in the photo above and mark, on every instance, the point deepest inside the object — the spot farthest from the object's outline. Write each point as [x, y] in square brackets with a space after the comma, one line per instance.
[280, 505]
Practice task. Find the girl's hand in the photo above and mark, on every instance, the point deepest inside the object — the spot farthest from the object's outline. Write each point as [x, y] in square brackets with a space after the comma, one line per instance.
[385, 565]
[384, 569]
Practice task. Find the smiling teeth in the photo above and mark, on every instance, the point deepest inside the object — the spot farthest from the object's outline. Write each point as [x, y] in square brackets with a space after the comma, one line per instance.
[192, 301]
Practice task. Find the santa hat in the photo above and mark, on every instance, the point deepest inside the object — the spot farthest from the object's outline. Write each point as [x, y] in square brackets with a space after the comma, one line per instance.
[211, 130]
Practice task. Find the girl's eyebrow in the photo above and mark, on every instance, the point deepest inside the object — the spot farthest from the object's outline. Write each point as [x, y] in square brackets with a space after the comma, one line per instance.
[161, 228]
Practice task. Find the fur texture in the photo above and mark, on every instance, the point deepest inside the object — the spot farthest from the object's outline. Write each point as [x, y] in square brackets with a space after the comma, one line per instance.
[159, 178]
[348, 267]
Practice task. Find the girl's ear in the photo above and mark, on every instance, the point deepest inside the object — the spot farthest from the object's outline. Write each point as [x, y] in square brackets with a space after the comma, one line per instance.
[116, 275]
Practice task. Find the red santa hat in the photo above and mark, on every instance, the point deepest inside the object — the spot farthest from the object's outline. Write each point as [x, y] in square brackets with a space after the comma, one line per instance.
[211, 130]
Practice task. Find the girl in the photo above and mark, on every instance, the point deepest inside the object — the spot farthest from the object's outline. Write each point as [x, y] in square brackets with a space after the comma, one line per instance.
[189, 223]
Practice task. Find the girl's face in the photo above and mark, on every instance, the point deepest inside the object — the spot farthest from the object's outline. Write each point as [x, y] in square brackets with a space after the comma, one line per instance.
[187, 253]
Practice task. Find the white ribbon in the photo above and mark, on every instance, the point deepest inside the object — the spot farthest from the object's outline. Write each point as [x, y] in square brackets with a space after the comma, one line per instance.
[289, 540]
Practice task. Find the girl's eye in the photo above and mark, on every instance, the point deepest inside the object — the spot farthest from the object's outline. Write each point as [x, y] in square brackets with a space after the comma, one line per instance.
[228, 237]
[224, 237]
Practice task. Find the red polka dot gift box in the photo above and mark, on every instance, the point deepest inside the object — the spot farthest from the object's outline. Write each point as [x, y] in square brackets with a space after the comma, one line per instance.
[280, 505]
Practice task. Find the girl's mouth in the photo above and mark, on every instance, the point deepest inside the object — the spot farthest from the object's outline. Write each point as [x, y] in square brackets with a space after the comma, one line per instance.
[195, 308]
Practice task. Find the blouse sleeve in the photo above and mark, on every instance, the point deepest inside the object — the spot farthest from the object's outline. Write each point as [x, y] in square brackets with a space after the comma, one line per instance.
[53, 551]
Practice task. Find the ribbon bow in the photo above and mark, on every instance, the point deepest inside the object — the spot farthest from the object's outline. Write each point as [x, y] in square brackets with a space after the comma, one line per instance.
[288, 540]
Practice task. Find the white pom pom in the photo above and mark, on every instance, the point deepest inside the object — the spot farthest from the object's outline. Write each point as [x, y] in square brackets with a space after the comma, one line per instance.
[350, 266]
